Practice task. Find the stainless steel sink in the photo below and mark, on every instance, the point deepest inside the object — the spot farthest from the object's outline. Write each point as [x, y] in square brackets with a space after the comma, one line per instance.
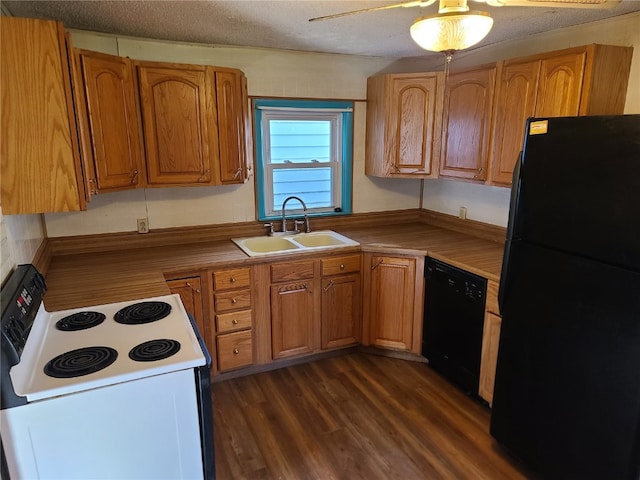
[300, 242]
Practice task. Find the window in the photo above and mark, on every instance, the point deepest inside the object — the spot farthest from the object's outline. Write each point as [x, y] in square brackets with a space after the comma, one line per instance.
[304, 149]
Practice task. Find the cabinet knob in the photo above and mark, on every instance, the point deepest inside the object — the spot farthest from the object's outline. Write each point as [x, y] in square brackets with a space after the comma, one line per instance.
[234, 321]
[236, 351]
[342, 266]
[134, 177]
[232, 279]
[234, 301]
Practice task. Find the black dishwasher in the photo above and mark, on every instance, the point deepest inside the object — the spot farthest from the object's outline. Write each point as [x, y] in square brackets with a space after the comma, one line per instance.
[453, 323]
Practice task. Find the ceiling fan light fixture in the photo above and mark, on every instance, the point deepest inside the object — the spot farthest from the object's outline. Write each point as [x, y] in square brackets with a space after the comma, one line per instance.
[449, 32]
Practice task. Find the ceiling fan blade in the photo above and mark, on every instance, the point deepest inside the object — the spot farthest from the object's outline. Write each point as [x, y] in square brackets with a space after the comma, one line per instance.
[416, 3]
[595, 4]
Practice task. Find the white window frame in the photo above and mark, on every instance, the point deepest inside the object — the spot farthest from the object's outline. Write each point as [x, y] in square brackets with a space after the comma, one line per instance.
[302, 114]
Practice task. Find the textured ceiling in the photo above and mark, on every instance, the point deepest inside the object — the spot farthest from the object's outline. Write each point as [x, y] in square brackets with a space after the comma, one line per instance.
[284, 24]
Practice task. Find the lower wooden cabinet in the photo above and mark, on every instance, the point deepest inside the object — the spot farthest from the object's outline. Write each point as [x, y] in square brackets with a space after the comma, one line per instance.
[190, 292]
[315, 304]
[393, 294]
[232, 331]
[490, 342]
[292, 319]
[341, 302]
[293, 308]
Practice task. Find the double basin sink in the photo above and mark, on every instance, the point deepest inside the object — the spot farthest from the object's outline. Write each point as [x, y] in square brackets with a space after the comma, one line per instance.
[295, 243]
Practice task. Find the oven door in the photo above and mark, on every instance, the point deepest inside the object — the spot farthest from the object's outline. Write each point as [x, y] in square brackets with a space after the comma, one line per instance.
[147, 428]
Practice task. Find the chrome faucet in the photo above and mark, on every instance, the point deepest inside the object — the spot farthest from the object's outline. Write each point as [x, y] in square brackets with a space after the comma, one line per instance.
[296, 222]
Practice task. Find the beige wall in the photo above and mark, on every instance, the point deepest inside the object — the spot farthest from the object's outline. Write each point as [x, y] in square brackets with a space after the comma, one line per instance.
[20, 237]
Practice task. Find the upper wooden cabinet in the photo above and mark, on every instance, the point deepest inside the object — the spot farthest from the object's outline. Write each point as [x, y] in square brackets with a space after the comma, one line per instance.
[107, 109]
[232, 103]
[160, 124]
[39, 155]
[468, 105]
[589, 80]
[404, 113]
[515, 102]
[179, 123]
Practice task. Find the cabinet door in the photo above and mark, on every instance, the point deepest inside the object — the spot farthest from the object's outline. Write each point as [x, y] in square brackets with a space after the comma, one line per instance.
[560, 85]
[412, 124]
[190, 293]
[468, 104]
[179, 121]
[490, 342]
[110, 131]
[341, 301]
[404, 120]
[515, 102]
[39, 155]
[231, 98]
[390, 301]
[292, 319]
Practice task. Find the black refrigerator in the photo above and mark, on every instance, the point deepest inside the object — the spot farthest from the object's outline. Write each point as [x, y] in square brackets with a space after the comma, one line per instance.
[567, 387]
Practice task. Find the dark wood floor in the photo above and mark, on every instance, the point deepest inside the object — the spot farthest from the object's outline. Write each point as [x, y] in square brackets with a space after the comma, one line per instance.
[351, 417]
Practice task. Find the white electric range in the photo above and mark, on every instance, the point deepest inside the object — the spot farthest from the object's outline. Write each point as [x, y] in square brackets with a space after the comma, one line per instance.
[119, 390]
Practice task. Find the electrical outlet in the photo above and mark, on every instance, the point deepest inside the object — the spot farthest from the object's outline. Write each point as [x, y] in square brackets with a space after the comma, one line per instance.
[463, 213]
[143, 225]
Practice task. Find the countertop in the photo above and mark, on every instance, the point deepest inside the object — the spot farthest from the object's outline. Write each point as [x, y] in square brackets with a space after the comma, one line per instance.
[85, 279]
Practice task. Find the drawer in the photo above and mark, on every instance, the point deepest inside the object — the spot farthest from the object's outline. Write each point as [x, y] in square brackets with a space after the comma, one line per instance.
[228, 322]
[338, 265]
[492, 297]
[236, 300]
[285, 272]
[234, 278]
[234, 350]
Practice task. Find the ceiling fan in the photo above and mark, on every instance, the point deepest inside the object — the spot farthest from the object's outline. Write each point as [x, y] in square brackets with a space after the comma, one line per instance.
[455, 27]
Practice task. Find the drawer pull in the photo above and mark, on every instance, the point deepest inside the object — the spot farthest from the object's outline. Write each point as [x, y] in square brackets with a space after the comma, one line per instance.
[342, 266]
[298, 287]
[377, 264]
[234, 300]
[197, 290]
[329, 285]
[234, 321]
[232, 279]
[236, 351]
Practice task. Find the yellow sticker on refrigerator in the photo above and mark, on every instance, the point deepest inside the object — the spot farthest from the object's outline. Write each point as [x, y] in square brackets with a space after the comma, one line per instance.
[539, 127]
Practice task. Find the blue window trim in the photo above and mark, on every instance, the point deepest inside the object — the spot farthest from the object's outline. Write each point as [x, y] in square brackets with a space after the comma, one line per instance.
[347, 149]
